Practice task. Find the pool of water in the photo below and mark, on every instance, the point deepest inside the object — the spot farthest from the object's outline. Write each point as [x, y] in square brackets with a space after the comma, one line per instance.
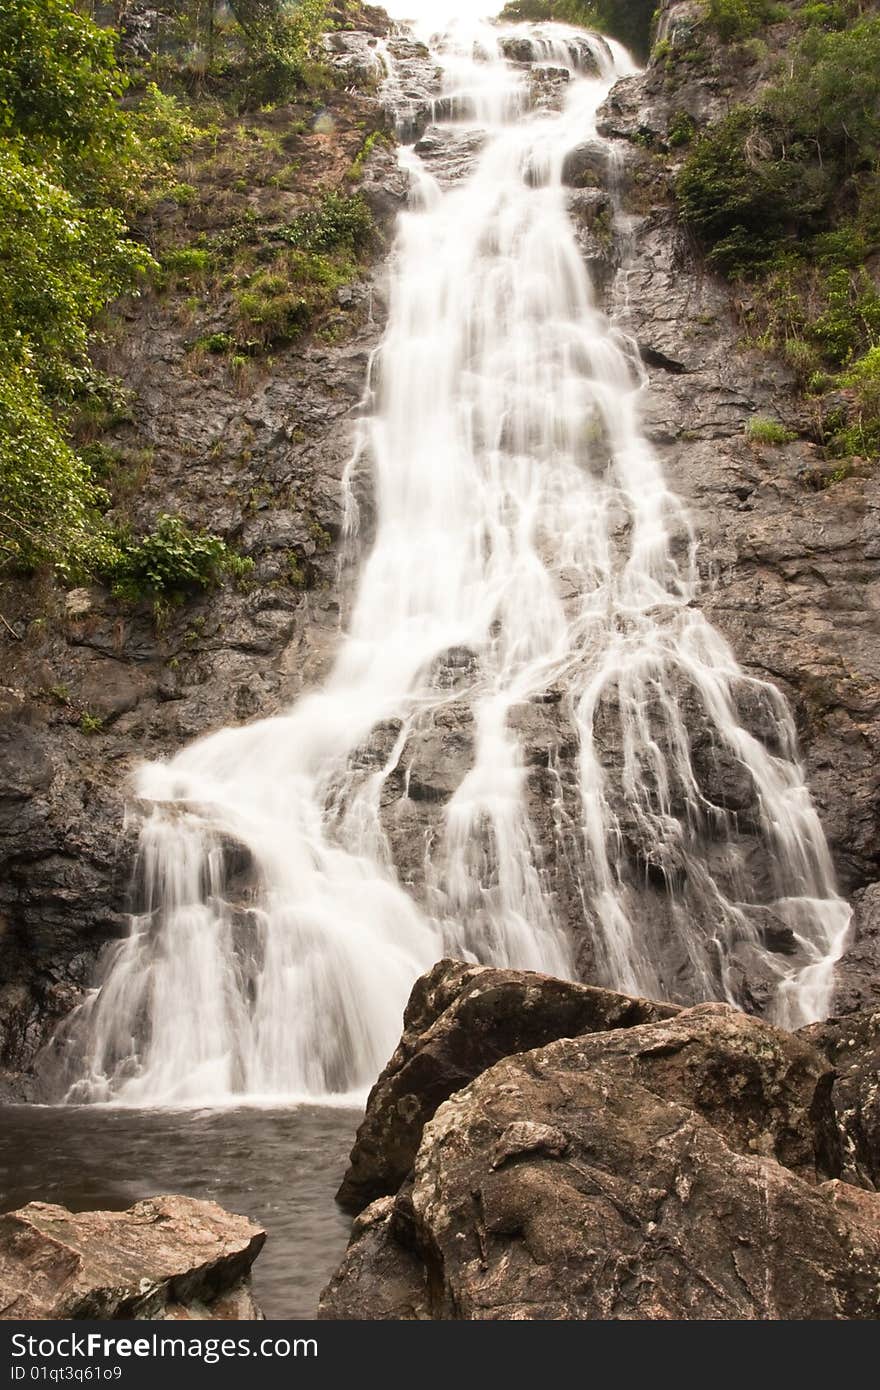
[279, 1167]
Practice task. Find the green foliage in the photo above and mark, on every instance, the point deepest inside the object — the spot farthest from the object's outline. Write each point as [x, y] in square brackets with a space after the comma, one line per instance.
[183, 194]
[61, 259]
[316, 254]
[769, 174]
[59, 85]
[682, 129]
[761, 430]
[186, 266]
[851, 317]
[48, 503]
[786, 195]
[283, 42]
[740, 19]
[824, 16]
[216, 343]
[338, 222]
[172, 562]
[71, 159]
[74, 163]
[376, 137]
[740, 204]
[862, 432]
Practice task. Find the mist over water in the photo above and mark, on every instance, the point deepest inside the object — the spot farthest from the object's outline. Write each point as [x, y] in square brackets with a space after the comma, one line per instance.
[521, 518]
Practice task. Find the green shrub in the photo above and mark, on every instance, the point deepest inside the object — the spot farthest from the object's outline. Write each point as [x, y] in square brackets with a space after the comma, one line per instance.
[216, 343]
[173, 561]
[803, 358]
[183, 194]
[48, 502]
[824, 16]
[862, 433]
[61, 259]
[283, 43]
[761, 430]
[186, 264]
[339, 222]
[682, 129]
[767, 176]
[739, 204]
[851, 318]
[739, 19]
[73, 165]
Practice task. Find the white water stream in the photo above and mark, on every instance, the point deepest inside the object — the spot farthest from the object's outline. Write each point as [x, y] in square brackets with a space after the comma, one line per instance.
[521, 516]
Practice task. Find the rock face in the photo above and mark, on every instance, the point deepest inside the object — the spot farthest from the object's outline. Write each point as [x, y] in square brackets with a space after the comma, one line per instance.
[857, 976]
[852, 1045]
[167, 1258]
[460, 1020]
[686, 1167]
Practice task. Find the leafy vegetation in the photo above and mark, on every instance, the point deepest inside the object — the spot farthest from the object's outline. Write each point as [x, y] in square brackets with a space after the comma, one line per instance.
[283, 277]
[785, 195]
[174, 560]
[760, 430]
[281, 43]
[83, 151]
[740, 19]
[247, 52]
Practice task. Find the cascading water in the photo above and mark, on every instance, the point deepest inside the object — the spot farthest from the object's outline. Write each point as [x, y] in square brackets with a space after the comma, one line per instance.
[523, 519]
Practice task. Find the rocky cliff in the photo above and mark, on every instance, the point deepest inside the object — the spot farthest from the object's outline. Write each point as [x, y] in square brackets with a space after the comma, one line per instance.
[91, 687]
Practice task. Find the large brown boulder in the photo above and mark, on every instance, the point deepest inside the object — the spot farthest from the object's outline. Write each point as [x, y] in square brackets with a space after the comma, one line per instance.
[684, 1169]
[461, 1019]
[166, 1258]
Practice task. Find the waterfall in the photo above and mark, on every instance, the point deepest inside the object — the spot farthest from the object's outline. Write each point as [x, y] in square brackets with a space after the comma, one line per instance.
[522, 520]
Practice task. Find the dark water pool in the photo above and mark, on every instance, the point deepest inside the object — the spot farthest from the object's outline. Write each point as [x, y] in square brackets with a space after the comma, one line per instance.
[279, 1167]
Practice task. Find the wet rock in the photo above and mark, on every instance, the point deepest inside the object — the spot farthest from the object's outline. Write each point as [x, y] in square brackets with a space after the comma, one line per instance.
[683, 1168]
[586, 166]
[852, 1045]
[409, 93]
[166, 1258]
[460, 1019]
[518, 49]
[576, 53]
[381, 1280]
[355, 56]
[25, 766]
[857, 975]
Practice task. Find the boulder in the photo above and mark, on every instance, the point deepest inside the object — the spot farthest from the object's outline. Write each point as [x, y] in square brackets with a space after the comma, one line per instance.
[852, 1045]
[586, 166]
[683, 1168]
[381, 1278]
[460, 1020]
[166, 1258]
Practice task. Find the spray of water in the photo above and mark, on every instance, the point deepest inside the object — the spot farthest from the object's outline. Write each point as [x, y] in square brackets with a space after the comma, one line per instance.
[522, 517]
